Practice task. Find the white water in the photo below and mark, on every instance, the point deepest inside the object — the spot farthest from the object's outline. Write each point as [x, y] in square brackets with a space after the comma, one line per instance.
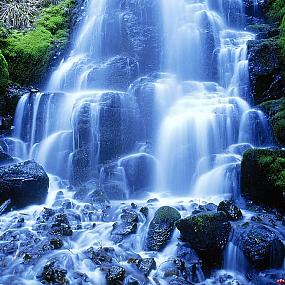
[204, 122]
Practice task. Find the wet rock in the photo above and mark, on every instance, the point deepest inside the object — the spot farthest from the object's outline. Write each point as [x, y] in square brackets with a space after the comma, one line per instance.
[56, 243]
[262, 247]
[98, 196]
[206, 233]
[161, 228]
[101, 256]
[115, 275]
[179, 281]
[264, 70]
[232, 211]
[25, 183]
[129, 216]
[172, 267]
[144, 211]
[145, 265]
[130, 280]
[187, 254]
[122, 230]
[140, 171]
[60, 225]
[262, 177]
[275, 111]
[52, 274]
[117, 73]
[5, 158]
[269, 277]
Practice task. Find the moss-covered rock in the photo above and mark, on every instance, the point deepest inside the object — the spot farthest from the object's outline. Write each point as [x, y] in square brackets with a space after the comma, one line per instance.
[29, 53]
[232, 211]
[4, 74]
[264, 70]
[263, 176]
[206, 233]
[161, 227]
[275, 111]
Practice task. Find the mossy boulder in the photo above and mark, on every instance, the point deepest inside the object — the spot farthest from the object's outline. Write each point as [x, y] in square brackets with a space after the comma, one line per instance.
[263, 176]
[161, 228]
[29, 53]
[206, 233]
[266, 82]
[232, 211]
[4, 74]
[275, 111]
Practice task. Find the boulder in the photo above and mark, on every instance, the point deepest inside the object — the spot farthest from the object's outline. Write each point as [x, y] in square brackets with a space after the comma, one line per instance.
[24, 183]
[206, 233]
[264, 70]
[232, 211]
[140, 172]
[275, 111]
[145, 265]
[53, 274]
[263, 248]
[161, 228]
[5, 158]
[115, 275]
[262, 177]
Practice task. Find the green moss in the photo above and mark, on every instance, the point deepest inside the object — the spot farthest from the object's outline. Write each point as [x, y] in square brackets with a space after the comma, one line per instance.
[166, 214]
[29, 53]
[4, 74]
[275, 110]
[271, 163]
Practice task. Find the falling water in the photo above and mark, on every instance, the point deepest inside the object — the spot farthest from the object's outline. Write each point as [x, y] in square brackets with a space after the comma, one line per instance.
[138, 123]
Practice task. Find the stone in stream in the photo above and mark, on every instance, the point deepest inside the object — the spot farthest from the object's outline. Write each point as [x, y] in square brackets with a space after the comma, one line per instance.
[207, 233]
[53, 274]
[115, 275]
[25, 183]
[263, 248]
[145, 265]
[232, 211]
[161, 228]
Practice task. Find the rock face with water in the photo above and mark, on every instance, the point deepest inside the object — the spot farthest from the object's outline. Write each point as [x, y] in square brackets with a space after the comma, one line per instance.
[206, 233]
[262, 247]
[161, 228]
[25, 183]
[262, 177]
[264, 70]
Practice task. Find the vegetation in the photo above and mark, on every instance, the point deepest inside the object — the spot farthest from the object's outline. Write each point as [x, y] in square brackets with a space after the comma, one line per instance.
[275, 110]
[29, 52]
[4, 74]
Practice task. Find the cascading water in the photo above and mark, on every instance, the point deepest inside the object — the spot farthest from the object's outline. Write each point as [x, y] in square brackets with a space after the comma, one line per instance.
[153, 98]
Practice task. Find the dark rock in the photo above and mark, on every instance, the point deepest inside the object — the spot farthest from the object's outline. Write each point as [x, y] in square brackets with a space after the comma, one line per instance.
[275, 111]
[206, 233]
[129, 216]
[161, 228]
[53, 275]
[145, 265]
[232, 211]
[25, 183]
[262, 247]
[172, 267]
[60, 225]
[140, 171]
[117, 73]
[262, 178]
[115, 275]
[263, 31]
[144, 211]
[6, 158]
[269, 277]
[264, 70]
[101, 256]
[56, 243]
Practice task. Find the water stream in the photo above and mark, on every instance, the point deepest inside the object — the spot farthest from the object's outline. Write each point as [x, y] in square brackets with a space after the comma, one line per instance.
[187, 125]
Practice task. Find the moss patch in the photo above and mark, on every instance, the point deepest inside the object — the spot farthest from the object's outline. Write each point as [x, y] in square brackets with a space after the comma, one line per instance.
[29, 53]
[275, 110]
[263, 176]
[4, 74]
